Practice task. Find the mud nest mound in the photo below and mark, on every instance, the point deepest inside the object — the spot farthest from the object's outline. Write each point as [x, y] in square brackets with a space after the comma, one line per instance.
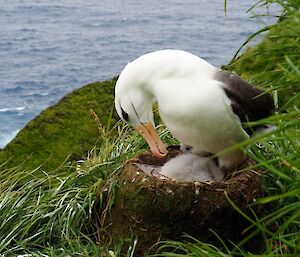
[152, 208]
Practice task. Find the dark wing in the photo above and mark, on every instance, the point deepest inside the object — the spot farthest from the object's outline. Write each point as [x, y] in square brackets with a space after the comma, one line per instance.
[248, 102]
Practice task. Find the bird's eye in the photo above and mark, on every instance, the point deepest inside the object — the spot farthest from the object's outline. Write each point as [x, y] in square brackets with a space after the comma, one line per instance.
[125, 115]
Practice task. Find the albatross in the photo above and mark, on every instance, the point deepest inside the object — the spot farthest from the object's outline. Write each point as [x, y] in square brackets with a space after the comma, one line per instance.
[202, 106]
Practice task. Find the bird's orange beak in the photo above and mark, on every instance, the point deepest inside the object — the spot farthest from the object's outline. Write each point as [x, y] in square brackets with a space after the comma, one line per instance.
[156, 145]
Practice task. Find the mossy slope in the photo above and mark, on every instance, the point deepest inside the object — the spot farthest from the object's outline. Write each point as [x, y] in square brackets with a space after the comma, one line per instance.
[66, 130]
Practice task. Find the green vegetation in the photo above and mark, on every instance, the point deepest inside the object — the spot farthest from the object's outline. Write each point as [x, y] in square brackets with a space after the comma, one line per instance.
[47, 211]
[51, 214]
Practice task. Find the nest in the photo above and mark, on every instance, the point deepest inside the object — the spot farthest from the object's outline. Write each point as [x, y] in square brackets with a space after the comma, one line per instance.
[155, 208]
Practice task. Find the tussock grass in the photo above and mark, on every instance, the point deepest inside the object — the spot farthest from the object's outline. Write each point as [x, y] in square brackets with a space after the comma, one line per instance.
[39, 209]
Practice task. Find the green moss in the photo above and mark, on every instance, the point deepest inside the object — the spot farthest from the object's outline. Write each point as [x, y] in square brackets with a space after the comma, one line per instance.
[64, 131]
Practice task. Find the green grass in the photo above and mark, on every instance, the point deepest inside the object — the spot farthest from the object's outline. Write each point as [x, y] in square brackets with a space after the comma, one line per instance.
[51, 213]
[45, 208]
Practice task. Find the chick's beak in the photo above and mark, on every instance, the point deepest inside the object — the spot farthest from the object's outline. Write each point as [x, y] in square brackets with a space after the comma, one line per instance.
[156, 145]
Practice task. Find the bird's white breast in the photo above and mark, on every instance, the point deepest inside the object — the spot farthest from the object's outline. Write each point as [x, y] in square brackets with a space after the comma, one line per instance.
[199, 114]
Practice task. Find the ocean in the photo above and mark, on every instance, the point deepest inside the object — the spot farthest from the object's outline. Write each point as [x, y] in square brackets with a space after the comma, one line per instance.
[49, 48]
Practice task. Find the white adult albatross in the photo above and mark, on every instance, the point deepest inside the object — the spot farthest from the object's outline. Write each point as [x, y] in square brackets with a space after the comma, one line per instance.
[202, 106]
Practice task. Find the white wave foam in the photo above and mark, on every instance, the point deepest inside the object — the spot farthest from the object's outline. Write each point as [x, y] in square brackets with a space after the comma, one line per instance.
[14, 109]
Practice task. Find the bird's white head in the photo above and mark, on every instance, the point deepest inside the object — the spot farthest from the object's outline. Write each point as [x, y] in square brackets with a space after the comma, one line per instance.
[134, 103]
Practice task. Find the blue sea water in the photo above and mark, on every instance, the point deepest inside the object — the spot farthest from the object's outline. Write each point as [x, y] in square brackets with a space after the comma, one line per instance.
[49, 48]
